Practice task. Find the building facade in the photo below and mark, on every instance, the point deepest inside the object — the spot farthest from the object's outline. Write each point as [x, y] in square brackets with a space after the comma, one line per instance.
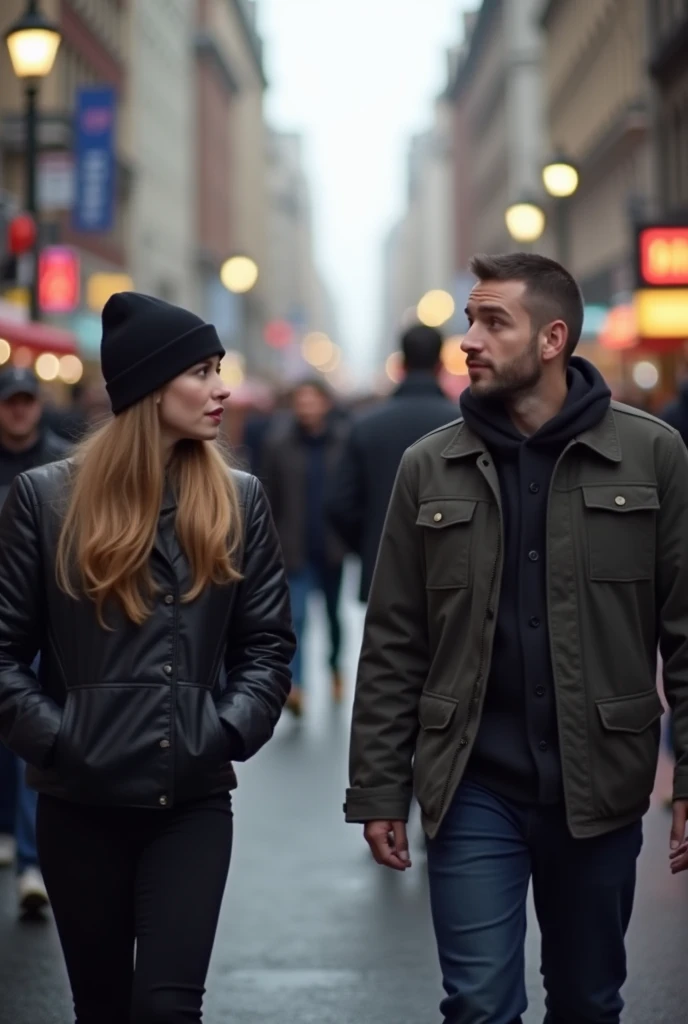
[668, 65]
[598, 114]
[161, 83]
[498, 129]
[94, 50]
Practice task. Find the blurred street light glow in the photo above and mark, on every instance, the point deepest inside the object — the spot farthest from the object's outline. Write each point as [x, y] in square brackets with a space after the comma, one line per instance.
[232, 369]
[525, 221]
[394, 367]
[47, 366]
[560, 177]
[5, 351]
[435, 308]
[645, 375]
[318, 349]
[71, 369]
[333, 362]
[239, 274]
[33, 42]
[453, 357]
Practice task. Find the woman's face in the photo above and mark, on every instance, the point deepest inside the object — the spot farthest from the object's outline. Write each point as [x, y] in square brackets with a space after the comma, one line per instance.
[192, 405]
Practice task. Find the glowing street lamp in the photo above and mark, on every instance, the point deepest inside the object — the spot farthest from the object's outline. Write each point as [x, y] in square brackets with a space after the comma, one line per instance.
[33, 42]
[560, 177]
[239, 274]
[525, 221]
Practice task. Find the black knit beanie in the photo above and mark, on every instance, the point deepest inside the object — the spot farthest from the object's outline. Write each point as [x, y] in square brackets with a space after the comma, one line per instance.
[147, 343]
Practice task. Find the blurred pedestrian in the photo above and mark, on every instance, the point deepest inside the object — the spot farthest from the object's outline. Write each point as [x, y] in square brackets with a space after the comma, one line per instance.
[360, 489]
[533, 558]
[24, 443]
[300, 457]
[139, 569]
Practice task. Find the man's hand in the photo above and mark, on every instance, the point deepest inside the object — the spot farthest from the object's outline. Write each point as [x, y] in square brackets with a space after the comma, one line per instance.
[678, 857]
[388, 843]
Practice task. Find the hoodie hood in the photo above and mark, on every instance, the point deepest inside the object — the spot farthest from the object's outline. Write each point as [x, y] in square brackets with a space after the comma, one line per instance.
[586, 403]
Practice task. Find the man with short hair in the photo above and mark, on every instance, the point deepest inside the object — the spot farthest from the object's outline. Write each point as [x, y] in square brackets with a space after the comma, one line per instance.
[362, 486]
[533, 559]
[24, 443]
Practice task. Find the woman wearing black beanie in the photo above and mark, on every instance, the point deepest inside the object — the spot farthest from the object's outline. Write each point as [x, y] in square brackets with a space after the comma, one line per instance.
[149, 576]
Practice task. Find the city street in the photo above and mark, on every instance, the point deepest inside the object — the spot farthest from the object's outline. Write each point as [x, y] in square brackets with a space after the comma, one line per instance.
[312, 931]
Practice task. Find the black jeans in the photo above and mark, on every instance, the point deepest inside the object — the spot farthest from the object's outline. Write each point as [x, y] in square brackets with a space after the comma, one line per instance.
[119, 877]
[481, 862]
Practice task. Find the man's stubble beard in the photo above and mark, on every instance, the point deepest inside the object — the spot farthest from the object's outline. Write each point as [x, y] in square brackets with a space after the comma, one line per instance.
[515, 379]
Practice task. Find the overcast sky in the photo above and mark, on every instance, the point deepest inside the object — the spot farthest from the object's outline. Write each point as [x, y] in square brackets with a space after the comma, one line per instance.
[357, 78]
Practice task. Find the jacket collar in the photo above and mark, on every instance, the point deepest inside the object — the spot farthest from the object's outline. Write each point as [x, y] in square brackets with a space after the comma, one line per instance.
[418, 382]
[603, 439]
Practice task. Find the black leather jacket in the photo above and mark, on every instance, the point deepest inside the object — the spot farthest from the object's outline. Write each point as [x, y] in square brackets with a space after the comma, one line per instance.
[140, 716]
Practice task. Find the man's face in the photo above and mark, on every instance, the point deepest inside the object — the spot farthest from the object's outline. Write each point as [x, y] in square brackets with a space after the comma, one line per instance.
[19, 416]
[311, 407]
[502, 349]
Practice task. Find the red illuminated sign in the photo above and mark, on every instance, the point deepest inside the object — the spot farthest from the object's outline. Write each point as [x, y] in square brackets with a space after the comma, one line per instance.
[59, 275]
[663, 257]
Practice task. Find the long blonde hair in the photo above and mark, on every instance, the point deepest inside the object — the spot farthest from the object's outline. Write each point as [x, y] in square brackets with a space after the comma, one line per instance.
[114, 505]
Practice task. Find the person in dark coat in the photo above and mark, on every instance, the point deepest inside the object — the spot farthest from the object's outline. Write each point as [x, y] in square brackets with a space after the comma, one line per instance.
[300, 456]
[149, 576]
[361, 488]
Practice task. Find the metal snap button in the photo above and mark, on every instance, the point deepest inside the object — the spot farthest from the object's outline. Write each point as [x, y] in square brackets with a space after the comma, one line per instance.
[167, 669]
[620, 500]
[169, 599]
[164, 744]
[163, 801]
[437, 517]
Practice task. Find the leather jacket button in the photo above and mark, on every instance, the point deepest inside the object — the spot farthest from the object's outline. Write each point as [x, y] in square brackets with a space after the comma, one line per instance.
[163, 801]
[167, 669]
[169, 599]
[164, 744]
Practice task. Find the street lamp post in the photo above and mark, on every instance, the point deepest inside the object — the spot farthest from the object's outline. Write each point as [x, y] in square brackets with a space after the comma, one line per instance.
[33, 42]
[560, 177]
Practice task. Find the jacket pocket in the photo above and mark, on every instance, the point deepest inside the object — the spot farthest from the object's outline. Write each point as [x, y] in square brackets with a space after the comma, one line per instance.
[435, 749]
[110, 740]
[447, 534]
[202, 744]
[625, 752]
[620, 526]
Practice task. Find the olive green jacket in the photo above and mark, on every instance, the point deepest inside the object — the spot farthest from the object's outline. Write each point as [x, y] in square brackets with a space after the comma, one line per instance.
[617, 557]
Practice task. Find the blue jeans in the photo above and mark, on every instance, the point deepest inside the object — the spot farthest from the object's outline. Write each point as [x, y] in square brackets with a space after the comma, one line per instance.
[328, 580]
[18, 809]
[18, 806]
[480, 865]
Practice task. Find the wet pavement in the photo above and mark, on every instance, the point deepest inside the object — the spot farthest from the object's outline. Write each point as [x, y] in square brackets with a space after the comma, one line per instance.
[313, 931]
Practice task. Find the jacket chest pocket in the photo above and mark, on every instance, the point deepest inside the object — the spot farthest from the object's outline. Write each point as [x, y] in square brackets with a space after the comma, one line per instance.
[621, 531]
[447, 525]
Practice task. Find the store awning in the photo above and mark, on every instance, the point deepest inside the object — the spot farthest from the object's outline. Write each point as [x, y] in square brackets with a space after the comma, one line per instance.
[40, 337]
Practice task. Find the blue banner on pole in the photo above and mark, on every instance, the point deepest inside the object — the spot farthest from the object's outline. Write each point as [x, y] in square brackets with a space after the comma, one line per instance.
[94, 159]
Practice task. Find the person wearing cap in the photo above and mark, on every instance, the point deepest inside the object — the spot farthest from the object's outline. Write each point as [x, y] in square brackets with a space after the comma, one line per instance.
[149, 575]
[24, 443]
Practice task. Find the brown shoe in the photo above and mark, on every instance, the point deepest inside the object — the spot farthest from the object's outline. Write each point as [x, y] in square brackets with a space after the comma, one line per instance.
[295, 702]
[337, 688]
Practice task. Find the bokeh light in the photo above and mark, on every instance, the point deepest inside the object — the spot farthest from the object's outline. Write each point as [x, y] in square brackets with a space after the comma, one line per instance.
[232, 369]
[394, 367]
[318, 349]
[525, 222]
[645, 375]
[435, 308]
[453, 358]
[71, 369]
[47, 366]
[239, 274]
[5, 351]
